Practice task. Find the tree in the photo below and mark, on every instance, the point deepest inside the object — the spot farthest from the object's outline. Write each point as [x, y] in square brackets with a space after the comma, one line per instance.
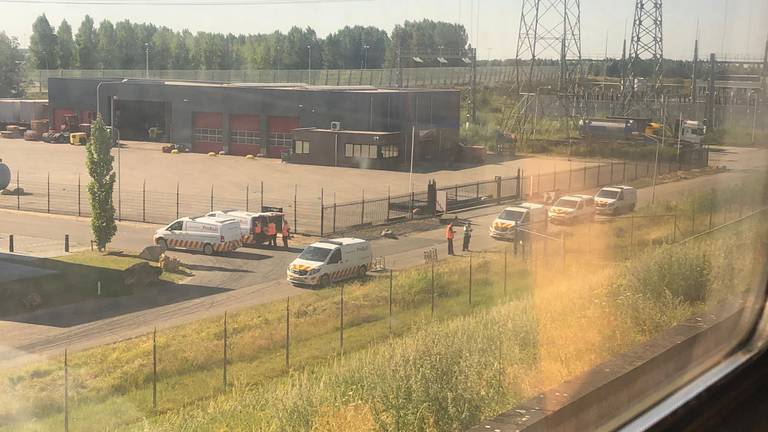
[86, 44]
[107, 46]
[11, 60]
[43, 46]
[180, 58]
[66, 46]
[130, 52]
[99, 163]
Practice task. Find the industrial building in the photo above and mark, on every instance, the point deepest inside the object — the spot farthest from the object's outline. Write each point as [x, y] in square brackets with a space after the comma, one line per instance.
[337, 126]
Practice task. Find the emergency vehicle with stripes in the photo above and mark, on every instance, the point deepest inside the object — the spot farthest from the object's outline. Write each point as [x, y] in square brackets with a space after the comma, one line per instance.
[328, 261]
[525, 215]
[204, 233]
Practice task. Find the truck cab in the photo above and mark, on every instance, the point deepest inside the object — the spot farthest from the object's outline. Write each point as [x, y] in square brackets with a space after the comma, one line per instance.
[692, 132]
[505, 226]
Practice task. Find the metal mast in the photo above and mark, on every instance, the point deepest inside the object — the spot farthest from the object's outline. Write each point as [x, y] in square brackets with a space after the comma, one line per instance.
[647, 42]
[550, 29]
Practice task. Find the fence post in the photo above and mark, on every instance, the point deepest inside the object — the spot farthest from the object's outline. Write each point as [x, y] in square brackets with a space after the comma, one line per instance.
[389, 199]
[10, 243]
[362, 210]
[674, 229]
[598, 175]
[506, 249]
[211, 197]
[341, 323]
[611, 180]
[470, 278]
[498, 189]
[433, 289]
[154, 370]
[247, 197]
[322, 211]
[78, 195]
[390, 302]
[584, 183]
[334, 212]
[261, 197]
[144, 201]
[477, 190]
[18, 192]
[711, 210]
[624, 171]
[224, 377]
[631, 234]
[66, 392]
[288, 333]
[295, 203]
[412, 199]
[48, 193]
[66, 242]
[177, 200]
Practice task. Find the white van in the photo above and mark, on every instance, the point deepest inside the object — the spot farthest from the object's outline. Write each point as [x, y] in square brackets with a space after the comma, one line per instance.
[524, 215]
[253, 226]
[329, 261]
[614, 200]
[572, 208]
[207, 234]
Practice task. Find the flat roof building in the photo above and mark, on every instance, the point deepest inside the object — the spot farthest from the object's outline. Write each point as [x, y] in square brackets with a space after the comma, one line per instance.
[370, 127]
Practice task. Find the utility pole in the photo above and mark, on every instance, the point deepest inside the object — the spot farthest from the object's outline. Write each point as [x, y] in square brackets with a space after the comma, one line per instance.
[309, 69]
[694, 84]
[711, 92]
[364, 61]
[473, 91]
[146, 50]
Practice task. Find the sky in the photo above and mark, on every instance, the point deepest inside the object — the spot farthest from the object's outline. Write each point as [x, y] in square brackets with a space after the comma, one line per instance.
[738, 28]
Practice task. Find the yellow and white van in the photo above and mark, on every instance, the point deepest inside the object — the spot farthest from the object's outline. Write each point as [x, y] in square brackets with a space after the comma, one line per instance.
[530, 215]
[329, 261]
[571, 209]
[206, 234]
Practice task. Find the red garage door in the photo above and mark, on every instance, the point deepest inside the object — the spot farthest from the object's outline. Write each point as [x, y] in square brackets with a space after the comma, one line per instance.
[207, 132]
[281, 135]
[244, 134]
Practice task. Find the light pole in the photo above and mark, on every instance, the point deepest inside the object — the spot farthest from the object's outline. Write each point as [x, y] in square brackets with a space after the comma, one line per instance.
[98, 87]
[146, 51]
[754, 116]
[364, 63]
[115, 141]
[309, 70]
[658, 143]
[536, 111]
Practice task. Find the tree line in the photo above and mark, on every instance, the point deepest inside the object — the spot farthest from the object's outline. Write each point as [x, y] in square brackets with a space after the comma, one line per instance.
[124, 45]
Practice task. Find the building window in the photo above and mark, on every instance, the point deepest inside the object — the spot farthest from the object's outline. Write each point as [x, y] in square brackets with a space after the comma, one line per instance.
[246, 137]
[371, 151]
[390, 151]
[209, 135]
[301, 147]
[281, 139]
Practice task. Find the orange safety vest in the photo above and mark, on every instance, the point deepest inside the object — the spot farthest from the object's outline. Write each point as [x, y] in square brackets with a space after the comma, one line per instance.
[271, 229]
[449, 232]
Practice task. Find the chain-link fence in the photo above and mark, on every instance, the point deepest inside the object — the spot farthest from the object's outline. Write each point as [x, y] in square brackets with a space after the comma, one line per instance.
[37, 80]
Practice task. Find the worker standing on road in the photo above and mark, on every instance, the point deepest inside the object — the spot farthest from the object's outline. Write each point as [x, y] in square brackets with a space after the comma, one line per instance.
[467, 236]
[449, 236]
[286, 234]
[272, 234]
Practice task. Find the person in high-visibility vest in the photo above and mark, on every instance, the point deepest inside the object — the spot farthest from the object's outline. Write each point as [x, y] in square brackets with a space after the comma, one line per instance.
[467, 236]
[449, 236]
[286, 234]
[272, 234]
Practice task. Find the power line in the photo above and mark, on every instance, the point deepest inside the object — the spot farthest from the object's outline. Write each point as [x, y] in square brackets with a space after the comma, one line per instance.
[176, 3]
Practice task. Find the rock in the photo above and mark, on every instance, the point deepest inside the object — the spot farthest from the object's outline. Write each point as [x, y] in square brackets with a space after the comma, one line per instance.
[169, 264]
[140, 275]
[152, 253]
[32, 301]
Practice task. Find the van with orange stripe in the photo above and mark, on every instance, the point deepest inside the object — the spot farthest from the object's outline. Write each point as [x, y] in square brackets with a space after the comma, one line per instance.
[253, 226]
[329, 261]
[206, 234]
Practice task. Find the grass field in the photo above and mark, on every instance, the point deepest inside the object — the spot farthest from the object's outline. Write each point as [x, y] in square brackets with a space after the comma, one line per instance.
[561, 313]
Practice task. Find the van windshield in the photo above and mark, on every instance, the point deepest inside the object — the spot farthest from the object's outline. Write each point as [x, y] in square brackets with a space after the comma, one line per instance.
[609, 194]
[315, 254]
[566, 203]
[512, 215]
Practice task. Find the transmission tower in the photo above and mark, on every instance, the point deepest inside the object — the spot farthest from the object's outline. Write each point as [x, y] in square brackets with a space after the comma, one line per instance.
[550, 29]
[646, 44]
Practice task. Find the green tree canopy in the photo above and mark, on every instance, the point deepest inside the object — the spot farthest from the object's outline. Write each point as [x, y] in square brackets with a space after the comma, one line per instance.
[43, 47]
[67, 54]
[107, 45]
[11, 66]
[86, 42]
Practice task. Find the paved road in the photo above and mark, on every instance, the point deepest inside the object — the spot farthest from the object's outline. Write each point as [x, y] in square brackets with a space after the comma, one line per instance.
[250, 276]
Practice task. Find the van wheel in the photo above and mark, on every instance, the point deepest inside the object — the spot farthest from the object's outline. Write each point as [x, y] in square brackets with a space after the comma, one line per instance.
[208, 249]
[162, 243]
[325, 281]
[362, 271]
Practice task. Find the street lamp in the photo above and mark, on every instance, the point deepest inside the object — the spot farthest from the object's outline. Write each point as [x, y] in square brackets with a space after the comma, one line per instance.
[536, 110]
[364, 63]
[98, 87]
[146, 50]
[309, 70]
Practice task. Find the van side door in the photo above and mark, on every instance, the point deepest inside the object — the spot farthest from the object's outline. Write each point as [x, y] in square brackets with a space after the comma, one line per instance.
[334, 265]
